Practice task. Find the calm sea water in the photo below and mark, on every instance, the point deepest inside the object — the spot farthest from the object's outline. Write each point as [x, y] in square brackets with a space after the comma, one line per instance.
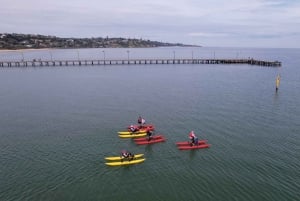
[58, 123]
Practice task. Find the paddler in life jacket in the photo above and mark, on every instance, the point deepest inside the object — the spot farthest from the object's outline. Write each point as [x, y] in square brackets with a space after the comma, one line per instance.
[126, 154]
[193, 138]
[149, 134]
[133, 128]
[141, 121]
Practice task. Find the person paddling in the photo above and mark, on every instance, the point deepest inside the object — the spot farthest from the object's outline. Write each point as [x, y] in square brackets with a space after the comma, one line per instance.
[149, 134]
[133, 128]
[193, 138]
[126, 154]
[141, 121]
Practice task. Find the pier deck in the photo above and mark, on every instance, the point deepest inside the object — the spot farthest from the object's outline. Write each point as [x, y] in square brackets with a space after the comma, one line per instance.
[41, 63]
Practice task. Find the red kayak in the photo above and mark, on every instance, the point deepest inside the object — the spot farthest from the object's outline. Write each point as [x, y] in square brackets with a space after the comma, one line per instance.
[142, 128]
[188, 143]
[152, 141]
[189, 147]
[146, 138]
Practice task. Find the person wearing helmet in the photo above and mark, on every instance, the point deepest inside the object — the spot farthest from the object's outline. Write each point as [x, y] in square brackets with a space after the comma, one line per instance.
[127, 155]
[193, 138]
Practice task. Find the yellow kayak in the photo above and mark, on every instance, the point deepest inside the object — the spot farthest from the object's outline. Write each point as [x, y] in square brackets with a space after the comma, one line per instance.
[140, 129]
[113, 158]
[133, 135]
[125, 162]
[130, 133]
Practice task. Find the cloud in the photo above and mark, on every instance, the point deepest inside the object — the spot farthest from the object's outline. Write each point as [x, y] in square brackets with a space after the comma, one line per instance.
[210, 35]
[179, 21]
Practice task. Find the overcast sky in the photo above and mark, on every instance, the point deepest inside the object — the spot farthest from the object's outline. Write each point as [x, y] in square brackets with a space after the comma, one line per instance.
[224, 23]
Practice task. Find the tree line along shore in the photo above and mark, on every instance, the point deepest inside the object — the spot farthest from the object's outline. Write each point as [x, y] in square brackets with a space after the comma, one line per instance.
[14, 41]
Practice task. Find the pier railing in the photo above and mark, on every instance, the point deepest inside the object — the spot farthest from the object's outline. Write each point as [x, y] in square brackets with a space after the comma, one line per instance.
[41, 63]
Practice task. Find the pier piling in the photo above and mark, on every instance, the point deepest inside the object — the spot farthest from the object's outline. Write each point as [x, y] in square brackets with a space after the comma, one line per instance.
[176, 61]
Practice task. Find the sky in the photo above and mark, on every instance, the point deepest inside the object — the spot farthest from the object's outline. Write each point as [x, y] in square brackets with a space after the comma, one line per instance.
[210, 23]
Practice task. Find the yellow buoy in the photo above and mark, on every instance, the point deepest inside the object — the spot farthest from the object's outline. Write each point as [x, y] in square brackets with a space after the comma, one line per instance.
[277, 82]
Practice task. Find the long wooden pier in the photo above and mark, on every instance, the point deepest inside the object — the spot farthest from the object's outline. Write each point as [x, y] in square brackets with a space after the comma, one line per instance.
[41, 63]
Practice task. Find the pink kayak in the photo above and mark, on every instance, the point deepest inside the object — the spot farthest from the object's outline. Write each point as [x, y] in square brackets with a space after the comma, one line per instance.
[146, 138]
[188, 143]
[189, 147]
[152, 141]
[144, 127]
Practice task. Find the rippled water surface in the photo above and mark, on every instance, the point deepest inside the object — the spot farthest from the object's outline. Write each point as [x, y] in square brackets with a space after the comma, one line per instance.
[58, 123]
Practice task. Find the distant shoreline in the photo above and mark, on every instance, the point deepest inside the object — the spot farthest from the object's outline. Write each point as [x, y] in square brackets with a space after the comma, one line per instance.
[30, 41]
[41, 49]
[32, 49]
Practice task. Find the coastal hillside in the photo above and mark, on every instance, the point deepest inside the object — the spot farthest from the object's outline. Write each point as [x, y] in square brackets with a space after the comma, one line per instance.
[31, 41]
